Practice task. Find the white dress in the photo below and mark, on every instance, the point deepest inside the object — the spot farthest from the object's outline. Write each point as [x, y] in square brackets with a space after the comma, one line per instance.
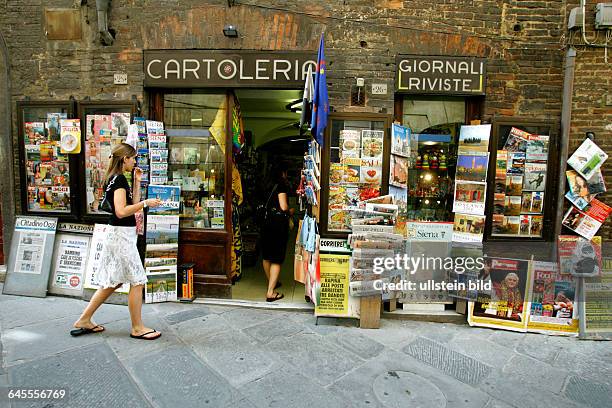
[120, 261]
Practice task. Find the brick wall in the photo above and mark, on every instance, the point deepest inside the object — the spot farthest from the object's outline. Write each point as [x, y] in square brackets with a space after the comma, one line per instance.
[522, 41]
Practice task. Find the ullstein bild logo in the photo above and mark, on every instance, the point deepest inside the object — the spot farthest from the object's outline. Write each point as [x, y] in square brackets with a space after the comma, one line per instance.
[216, 68]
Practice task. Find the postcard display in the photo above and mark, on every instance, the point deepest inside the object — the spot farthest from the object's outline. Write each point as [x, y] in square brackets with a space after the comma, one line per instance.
[162, 229]
[471, 183]
[587, 214]
[520, 183]
[47, 168]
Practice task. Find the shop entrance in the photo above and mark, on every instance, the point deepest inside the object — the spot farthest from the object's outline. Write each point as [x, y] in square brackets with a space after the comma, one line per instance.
[201, 160]
[271, 123]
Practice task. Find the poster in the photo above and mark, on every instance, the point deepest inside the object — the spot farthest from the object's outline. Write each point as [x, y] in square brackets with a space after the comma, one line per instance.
[332, 298]
[598, 300]
[474, 138]
[70, 260]
[587, 159]
[587, 223]
[399, 140]
[29, 262]
[506, 304]
[468, 228]
[552, 300]
[470, 198]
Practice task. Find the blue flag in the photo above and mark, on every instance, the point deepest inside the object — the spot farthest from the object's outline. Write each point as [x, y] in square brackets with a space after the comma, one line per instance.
[320, 100]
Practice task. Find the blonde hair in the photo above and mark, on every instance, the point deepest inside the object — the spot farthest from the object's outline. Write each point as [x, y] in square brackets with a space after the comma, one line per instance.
[119, 153]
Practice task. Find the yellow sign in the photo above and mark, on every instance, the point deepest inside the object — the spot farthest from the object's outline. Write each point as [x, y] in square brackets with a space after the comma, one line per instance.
[333, 297]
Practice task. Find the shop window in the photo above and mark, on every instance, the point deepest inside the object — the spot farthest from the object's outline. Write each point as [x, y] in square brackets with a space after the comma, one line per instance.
[196, 129]
[47, 173]
[435, 123]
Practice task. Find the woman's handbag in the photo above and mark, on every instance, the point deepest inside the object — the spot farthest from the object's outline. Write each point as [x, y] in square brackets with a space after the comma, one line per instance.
[264, 213]
[105, 205]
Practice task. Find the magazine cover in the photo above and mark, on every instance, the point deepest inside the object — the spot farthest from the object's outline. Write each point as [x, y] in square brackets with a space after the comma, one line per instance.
[587, 159]
[537, 148]
[70, 136]
[535, 176]
[161, 287]
[53, 125]
[398, 175]
[517, 140]
[474, 138]
[514, 185]
[34, 133]
[372, 143]
[516, 163]
[587, 223]
[578, 186]
[350, 144]
[119, 124]
[399, 140]
[505, 305]
[170, 197]
[501, 162]
[552, 299]
[579, 202]
[499, 203]
[568, 245]
[512, 206]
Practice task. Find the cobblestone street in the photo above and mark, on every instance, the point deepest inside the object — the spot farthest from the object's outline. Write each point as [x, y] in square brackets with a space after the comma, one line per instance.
[219, 356]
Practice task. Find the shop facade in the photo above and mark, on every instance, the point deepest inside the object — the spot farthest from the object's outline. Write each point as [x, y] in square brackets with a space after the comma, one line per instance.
[465, 65]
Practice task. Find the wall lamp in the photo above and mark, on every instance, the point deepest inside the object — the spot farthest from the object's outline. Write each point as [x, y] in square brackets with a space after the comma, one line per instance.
[230, 31]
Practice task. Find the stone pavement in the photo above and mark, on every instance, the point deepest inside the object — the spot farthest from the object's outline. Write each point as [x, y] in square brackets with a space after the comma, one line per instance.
[216, 356]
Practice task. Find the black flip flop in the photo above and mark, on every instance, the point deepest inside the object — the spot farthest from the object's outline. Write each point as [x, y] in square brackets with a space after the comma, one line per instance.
[278, 296]
[83, 330]
[142, 336]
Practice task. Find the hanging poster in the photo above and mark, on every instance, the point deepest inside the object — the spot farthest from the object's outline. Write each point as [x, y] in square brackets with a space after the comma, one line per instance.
[400, 140]
[29, 261]
[474, 138]
[333, 292]
[587, 223]
[469, 198]
[468, 228]
[505, 305]
[598, 301]
[552, 300]
[587, 159]
[70, 260]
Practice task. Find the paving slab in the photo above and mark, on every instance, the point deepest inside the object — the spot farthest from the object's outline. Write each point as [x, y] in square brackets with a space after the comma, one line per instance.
[536, 372]
[596, 366]
[589, 393]
[28, 310]
[274, 329]
[93, 376]
[392, 334]
[117, 335]
[464, 368]
[186, 315]
[197, 330]
[404, 380]
[315, 356]
[237, 357]
[38, 340]
[506, 338]
[540, 347]
[481, 349]
[176, 377]
[286, 388]
[242, 317]
[361, 345]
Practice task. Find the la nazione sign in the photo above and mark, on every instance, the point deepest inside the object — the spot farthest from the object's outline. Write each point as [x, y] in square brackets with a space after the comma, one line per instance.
[215, 68]
[416, 74]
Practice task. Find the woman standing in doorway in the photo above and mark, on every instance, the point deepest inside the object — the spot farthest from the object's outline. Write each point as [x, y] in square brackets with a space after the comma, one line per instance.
[275, 233]
[120, 262]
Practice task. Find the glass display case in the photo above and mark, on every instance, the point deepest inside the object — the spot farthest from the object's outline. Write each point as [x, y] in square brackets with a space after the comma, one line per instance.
[195, 127]
[47, 174]
[356, 160]
[430, 178]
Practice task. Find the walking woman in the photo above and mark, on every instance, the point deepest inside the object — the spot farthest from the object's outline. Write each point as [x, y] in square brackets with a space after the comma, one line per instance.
[120, 262]
[275, 233]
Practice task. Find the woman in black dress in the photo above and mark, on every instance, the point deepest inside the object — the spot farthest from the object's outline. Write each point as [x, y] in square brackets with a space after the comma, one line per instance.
[275, 232]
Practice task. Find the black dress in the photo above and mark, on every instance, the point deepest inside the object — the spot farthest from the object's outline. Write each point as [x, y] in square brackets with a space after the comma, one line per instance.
[275, 232]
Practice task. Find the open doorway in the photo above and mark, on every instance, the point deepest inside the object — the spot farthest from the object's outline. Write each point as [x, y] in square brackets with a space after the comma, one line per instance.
[271, 123]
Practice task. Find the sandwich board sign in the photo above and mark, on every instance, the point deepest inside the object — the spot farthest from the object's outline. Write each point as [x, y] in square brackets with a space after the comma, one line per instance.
[30, 256]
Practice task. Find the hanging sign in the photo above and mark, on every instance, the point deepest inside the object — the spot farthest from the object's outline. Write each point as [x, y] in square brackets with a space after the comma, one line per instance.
[213, 68]
[416, 74]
